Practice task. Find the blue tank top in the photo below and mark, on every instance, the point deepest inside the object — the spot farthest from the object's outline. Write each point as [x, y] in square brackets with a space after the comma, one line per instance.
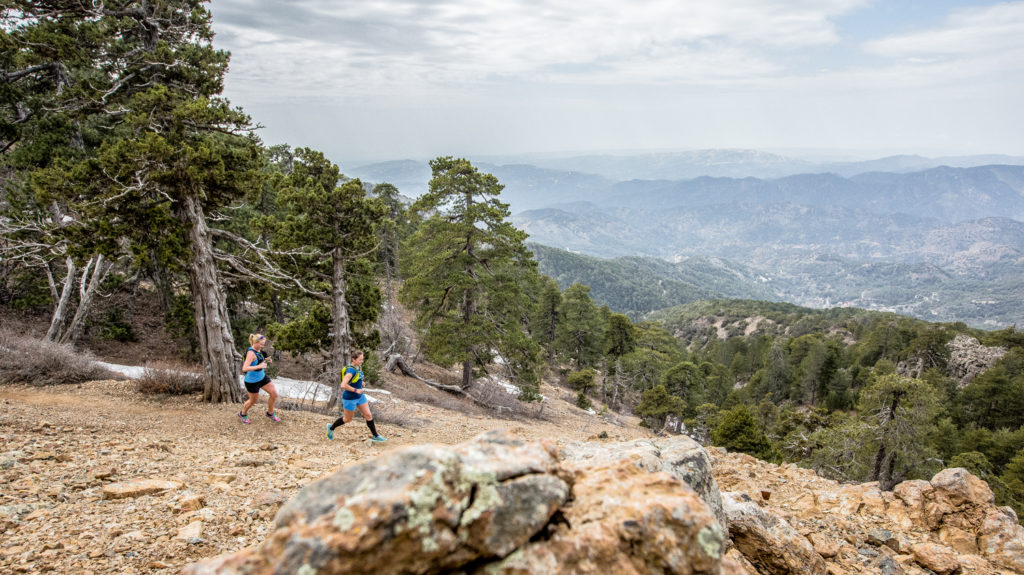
[356, 381]
[257, 375]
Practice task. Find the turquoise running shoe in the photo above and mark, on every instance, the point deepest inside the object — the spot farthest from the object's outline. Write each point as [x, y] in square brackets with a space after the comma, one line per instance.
[378, 439]
[330, 432]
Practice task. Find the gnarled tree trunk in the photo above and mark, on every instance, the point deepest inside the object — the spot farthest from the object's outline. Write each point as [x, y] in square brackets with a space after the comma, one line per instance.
[341, 343]
[86, 291]
[216, 345]
[60, 313]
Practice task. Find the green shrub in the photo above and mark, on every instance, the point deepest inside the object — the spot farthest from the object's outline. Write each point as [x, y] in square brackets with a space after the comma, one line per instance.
[738, 431]
[582, 380]
[656, 404]
[582, 401]
[116, 328]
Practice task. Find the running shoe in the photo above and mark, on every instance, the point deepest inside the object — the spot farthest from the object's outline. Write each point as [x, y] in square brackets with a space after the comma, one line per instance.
[244, 418]
[378, 438]
[273, 416]
[330, 432]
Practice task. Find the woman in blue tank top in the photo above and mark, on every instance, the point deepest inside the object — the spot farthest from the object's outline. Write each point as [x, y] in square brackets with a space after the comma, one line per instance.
[352, 398]
[254, 367]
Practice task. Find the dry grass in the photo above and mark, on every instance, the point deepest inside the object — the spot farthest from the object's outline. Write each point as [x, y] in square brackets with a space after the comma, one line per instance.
[169, 378]
[498, 399]
[444, 400]
[41, 362]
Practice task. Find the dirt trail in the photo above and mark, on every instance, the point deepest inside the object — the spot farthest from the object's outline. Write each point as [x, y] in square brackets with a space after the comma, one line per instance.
[59, 446]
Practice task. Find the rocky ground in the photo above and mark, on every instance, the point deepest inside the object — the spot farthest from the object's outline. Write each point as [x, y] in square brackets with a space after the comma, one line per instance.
[97, 478]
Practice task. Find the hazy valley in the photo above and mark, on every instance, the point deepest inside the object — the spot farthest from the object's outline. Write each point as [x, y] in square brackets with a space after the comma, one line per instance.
[940, 243]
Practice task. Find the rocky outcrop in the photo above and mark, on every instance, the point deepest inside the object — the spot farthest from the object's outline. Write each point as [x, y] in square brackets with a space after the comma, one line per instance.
[500, 505]
[680, 457]
[968, 358]
[948, 524]
[768, 541]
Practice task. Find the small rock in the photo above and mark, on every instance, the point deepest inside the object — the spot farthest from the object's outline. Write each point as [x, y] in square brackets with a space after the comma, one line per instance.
[137, 535]
[193, 530]
[269, 497]
[823, 544]
[938, 558]
[192, 503]
[879, 537]
[138, 487]
[251, 462]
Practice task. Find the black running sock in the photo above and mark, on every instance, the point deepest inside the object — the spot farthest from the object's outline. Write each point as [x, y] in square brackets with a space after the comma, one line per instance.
[372, 426]
[337, 424]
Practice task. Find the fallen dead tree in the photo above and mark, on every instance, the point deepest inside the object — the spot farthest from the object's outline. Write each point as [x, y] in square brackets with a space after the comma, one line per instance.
[396, 361]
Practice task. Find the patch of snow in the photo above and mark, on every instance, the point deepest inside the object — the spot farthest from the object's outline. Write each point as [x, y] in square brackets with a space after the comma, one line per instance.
[286, 387]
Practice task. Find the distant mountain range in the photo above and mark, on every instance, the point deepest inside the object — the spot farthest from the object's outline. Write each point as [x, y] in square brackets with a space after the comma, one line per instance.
[941, 239]
[535, 183]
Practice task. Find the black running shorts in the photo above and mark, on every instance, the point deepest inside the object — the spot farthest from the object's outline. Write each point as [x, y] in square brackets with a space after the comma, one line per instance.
[256, 386]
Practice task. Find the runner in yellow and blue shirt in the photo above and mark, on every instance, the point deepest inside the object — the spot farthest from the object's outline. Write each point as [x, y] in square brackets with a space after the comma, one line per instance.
[352, 398]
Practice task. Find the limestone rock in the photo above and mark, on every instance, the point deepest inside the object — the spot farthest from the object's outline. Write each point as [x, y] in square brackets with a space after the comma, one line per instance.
[1001, 539]
[767, 540]
[191, 502]
[958, 487]
[823, 545]
[968, 358]
[138, 487]
[426, 508]
[938, 558]
[191, 531]
[625, 520]
[494, 505]
[679, 456]
[959, 540]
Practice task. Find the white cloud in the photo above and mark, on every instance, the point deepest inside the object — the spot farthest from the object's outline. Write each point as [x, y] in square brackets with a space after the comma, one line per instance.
[401, 78]
[987, 31]
[351, 48]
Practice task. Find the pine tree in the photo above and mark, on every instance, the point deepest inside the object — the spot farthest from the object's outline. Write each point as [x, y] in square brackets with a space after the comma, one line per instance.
[580, 331]
[657, 404]
[328, 232]
[738, 431]
[620, 337]
[465, 266]
[544, 324]
[899, 412]
[142, 140]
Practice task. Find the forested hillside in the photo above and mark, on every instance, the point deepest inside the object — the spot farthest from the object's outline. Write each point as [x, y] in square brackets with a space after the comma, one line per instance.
[855, 394]
[636, 286]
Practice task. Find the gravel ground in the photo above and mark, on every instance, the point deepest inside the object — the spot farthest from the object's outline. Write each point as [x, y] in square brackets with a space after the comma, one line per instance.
[63, 445]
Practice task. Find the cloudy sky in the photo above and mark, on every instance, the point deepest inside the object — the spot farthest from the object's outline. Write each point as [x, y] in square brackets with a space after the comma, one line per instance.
[368, 80]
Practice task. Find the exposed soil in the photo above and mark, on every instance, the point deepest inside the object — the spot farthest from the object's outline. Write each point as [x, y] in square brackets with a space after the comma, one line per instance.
[61, 445]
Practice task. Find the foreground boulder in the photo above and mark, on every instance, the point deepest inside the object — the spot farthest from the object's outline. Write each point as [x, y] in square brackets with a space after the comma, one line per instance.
[496, 505]
[680, 457]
